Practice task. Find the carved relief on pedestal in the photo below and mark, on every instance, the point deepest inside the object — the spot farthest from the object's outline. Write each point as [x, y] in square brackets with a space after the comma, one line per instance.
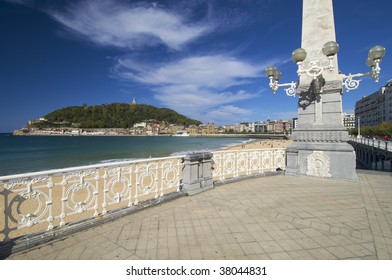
[319, 136]
[318, 165]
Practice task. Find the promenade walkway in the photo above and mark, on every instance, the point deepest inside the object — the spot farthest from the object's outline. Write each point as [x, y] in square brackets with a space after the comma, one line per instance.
[276, 217]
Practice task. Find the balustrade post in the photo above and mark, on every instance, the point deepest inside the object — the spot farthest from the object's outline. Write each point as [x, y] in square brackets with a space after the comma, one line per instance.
[197, 173]
[291, 162]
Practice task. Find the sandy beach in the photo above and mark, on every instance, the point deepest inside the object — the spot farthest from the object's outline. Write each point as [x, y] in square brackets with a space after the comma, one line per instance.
[261, 144]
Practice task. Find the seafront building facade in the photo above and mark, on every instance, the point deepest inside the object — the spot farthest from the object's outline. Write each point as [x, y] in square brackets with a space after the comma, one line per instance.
[375, 108]
[155, 128]
[269, 126]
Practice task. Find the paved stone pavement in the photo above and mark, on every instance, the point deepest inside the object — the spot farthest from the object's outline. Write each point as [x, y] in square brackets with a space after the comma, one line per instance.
[276, 217]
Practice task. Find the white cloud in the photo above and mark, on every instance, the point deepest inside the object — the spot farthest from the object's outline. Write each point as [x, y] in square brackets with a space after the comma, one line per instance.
[217, 71]
[228, 114]
[197, 100]
[115, 23]
[197, 86]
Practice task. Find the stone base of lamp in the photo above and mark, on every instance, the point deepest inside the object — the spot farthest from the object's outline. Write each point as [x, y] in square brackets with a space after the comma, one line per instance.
[322, 154]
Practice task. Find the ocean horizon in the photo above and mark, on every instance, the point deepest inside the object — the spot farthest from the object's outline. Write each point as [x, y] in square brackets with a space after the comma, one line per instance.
[23, 154]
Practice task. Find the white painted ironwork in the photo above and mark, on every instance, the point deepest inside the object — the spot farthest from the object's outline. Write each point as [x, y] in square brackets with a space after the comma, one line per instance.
[350, 83]
[39, 201]
[235, 163]
[290, 91]
[315, 69]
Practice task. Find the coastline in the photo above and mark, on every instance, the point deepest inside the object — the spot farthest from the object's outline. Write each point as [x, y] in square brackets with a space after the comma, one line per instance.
[108, 134]
[264, 144]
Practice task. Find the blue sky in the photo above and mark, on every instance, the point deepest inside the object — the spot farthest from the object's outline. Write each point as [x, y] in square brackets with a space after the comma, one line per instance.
[202, 58]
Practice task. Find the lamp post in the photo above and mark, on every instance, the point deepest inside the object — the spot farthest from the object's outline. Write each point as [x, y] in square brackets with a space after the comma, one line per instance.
[320, 141]
[359, 127]
[315, 68]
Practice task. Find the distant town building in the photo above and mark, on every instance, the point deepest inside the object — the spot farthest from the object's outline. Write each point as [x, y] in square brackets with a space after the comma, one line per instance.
[40, 120]
[174, 128]
[281, 126]
[247, 127]
[375, 108]
[229, 128]
[208, 128]
[260, 127]
[140, 125]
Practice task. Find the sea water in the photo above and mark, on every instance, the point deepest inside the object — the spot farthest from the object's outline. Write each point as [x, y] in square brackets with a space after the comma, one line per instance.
[21, 154]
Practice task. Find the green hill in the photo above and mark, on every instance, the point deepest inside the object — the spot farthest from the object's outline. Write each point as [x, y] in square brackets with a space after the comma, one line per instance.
[115, 115]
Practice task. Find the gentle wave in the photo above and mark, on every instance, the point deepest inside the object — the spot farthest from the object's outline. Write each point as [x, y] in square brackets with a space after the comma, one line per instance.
[212, 150]
[239, 143]
[116, 160]
[191, 151]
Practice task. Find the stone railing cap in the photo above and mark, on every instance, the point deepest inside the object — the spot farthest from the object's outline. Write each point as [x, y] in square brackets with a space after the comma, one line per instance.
[198, 156]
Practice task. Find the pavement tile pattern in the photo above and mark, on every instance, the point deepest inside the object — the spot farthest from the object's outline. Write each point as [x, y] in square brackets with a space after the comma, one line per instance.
[276, 217]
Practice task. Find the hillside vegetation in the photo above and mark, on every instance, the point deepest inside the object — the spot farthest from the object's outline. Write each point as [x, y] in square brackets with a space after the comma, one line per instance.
[115, 115]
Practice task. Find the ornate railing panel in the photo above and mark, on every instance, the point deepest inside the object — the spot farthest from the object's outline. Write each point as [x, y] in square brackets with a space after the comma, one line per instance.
[43, 200]
[235, 163]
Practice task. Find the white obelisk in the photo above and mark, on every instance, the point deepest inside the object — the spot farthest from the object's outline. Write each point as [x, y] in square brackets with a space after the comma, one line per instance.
[320, 145]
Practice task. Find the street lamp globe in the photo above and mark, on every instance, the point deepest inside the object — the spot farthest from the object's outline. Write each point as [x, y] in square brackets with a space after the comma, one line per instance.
[270, 71]
[377, 52]
[298, 55]
[277, 75]
[330, 48]
[370, 62]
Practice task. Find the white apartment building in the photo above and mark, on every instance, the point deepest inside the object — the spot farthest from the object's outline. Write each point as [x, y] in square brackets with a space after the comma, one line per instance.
[375, 108]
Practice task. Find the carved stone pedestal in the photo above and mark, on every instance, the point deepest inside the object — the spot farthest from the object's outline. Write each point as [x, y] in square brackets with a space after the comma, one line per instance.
[335, 160]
